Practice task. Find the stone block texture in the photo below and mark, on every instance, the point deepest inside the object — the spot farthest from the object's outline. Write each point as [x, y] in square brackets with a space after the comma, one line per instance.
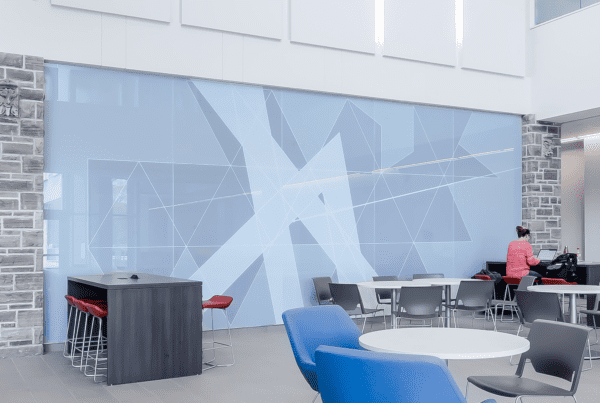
[540, 156]
[21, 207]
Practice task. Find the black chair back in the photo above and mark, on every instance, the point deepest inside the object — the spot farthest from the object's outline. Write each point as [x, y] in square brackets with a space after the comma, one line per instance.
[420, 301]
[322, 290]
[556, 349]
[538, 305]
[384, 293]
[428, 275]
[346, 295]
[475, 294]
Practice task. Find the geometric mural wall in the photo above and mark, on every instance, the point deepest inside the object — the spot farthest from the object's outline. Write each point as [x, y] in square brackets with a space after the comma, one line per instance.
[255, 190]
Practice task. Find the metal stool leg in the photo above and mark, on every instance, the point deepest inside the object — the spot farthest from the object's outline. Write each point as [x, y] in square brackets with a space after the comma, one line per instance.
[210, 364]
[87, 316]
[75, 336]
[67, 339]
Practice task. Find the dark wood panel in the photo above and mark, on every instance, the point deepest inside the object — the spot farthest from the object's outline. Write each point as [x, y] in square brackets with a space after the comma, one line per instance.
[154, 333]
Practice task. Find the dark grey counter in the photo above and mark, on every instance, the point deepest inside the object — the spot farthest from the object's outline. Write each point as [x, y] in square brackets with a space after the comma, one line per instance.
[154, 324]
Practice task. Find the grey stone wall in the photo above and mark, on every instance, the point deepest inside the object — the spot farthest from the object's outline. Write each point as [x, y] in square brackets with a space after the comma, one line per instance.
[21, 208]
[541, 191]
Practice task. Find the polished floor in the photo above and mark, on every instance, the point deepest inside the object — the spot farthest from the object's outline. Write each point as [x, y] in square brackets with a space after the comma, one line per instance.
[264, 371]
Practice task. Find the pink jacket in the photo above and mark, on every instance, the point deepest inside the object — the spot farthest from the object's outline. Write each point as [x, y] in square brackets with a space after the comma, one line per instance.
[519, 258]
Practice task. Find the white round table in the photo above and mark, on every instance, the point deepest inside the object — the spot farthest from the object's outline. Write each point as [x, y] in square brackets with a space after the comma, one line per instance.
[445, 343]
[393, 286]
[447, 283]
[571, 291]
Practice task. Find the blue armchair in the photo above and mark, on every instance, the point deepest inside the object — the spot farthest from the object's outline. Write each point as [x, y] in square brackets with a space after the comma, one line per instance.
[346, 376]
[309, 328]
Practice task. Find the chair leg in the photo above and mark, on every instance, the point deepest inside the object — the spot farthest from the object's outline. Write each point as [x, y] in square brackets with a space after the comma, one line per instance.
[315, 398]
[68, 325]
[364, 323]
[510, 360]
[467, 392]
[590, 354]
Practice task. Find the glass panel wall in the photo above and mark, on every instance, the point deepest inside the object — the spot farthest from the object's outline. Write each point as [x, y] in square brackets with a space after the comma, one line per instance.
[256, 190]
[546, 10]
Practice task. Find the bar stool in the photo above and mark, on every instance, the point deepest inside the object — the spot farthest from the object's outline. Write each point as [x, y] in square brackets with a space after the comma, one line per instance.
[81, 305]
[97, 312]
[72, 314]
[218, 302]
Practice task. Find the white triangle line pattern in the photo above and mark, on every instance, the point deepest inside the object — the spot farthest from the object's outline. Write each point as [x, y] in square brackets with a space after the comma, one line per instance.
[113, 204]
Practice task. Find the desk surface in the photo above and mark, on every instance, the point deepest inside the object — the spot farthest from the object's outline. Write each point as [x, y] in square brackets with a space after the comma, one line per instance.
[119, 280]
[445, 343]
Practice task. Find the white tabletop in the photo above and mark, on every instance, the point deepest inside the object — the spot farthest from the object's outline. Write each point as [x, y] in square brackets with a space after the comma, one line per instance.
[388, 285]
[566, 289]
[445, 343]
[444, 281]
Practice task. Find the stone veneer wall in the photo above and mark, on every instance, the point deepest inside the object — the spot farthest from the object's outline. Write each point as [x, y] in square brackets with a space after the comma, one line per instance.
[541, 183]
[21, 210]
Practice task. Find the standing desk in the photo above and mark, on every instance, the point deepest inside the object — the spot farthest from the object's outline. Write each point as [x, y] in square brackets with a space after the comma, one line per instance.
[154, 324]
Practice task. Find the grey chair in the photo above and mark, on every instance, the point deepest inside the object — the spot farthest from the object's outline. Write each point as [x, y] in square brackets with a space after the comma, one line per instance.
[526, 281]
[348, 297]
[557, 349]
[322, 291]
[384, 295]
[538, 305]
[428, 275]
[593, 312]
[474, 296]
[420, 303]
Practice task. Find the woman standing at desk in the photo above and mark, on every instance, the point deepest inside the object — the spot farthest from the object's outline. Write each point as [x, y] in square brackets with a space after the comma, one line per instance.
[519, 259]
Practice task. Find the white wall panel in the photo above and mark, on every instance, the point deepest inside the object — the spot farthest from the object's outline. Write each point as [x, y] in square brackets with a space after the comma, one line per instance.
[494, 36]
[158, 48]
[340, 24]
[420, 30]
[55, 33]
[572, 183]
[157, 10]
[566, 59]
[114, 43]
[233, 57]
[257, 17]
[591, 199]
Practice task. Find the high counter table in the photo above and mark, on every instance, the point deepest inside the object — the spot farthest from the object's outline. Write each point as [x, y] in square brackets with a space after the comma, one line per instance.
[154, 324]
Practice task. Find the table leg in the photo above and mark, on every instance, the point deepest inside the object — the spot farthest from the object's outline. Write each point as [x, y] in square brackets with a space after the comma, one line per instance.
[393, 308]
[573, 308]
[448, 300]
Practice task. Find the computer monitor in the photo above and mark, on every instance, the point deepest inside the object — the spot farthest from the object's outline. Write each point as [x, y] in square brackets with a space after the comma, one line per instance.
[546, 254]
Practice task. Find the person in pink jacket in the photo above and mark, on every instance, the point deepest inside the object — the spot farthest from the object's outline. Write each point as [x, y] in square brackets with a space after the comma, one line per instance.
[519, 259]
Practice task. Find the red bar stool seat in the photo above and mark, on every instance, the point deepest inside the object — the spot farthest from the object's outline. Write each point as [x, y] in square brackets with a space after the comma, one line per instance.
[220, 302]
[482, 277]
[98, 311]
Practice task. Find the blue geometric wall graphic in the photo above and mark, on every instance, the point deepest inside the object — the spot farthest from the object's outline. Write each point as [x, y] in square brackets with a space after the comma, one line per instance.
[239, 289]
[311, 261]
[194, 141]
[362, 150]
[461, 119]
[418, 204]
[435, 122]
[413, 264]
[300, 234]
[281, 132]
[256, 190]
[423, 151]
[257, 307]
[390, 258]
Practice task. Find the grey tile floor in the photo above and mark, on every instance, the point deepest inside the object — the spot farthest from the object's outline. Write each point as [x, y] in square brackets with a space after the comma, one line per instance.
[264, 371]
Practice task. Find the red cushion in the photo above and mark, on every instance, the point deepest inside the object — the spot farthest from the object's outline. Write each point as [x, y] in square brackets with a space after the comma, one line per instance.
[482, 277]
[218, 302]
[97, 311]
[511, 280]
[70, 300]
